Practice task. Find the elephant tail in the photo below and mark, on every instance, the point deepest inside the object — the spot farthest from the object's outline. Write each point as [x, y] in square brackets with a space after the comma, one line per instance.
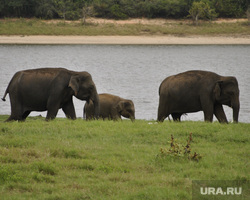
[5, 94]
[16, 78]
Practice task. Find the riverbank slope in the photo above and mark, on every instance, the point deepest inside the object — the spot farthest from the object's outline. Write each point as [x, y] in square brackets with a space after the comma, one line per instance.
[132, 31]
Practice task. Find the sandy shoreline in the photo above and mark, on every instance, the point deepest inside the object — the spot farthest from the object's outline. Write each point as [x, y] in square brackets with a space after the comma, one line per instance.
[157, 40]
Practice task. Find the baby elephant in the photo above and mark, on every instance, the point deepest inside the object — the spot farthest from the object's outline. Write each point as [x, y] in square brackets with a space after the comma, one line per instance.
[111, 107]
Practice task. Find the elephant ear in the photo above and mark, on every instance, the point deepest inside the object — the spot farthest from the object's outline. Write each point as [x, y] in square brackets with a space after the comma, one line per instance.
[74, 83]
[217, 89]
[120, 106]
[123, 105]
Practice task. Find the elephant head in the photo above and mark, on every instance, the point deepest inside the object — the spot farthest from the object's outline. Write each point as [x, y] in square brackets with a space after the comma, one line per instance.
[126, 109]
[226, 92]
[84, 89]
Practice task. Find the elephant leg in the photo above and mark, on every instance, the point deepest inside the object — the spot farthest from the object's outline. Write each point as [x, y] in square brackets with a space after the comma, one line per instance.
[161, 114]
[25, 115]
[88, 111]
[89, 116]
[220, 114]
[11, 118]
[69, 110]
[208, 116]
[176, 116]
[15, 117]
[115, 115]
[52, 112]
[53, 105]
[208, 108]
[162, 110]
[16, 111]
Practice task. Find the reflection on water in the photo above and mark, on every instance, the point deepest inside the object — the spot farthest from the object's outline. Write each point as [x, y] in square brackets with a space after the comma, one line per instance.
[131, 71]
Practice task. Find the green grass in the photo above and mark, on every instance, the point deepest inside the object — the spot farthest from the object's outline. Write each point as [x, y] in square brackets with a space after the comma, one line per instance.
[65, 159]
[42, 27]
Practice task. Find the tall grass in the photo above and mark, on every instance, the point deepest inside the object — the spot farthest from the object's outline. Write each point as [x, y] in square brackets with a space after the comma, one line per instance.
[65, 159]
[41, 27]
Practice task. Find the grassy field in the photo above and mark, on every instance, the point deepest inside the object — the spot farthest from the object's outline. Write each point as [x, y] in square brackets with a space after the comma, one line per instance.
[178, 27]
[65, 159]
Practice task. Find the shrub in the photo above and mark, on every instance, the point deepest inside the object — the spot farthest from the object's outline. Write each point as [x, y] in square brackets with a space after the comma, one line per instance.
[179, 150]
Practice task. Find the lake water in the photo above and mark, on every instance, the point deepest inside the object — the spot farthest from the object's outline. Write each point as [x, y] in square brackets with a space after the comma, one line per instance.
[131, 71]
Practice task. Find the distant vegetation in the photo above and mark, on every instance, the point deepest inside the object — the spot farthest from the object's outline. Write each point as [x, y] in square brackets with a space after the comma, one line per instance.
[35, 26]
[122, 9]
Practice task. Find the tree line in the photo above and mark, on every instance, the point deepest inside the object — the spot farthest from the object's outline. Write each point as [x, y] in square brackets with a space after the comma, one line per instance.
[122, 9]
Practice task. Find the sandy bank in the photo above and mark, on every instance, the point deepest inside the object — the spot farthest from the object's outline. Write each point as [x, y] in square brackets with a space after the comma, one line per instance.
[192, 40]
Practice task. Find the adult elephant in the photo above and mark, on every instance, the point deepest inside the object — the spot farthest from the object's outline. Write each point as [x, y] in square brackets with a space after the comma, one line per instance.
[194, 91]
[111, 107]
[49, 89]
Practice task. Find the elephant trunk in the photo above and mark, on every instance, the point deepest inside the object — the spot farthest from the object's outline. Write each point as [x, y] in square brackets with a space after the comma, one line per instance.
[236, 109]
[95, 99]
[132, 118]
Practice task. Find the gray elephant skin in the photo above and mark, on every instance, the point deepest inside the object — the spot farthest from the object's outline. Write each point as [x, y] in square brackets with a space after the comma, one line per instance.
[49, 89]
[111, 107]
[194, 91]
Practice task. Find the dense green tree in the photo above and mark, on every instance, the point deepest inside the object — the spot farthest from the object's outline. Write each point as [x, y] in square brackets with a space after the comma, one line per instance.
[2, 5]
[248, 14]
[46, 9]
[17, 8]
[62, 7]
[109, 9]
[118, 9]
[231, 8]
[198, 10]
[201, 10]
[87, 10]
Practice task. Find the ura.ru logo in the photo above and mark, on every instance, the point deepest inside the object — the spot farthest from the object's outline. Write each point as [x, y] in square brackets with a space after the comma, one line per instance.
[220, 191]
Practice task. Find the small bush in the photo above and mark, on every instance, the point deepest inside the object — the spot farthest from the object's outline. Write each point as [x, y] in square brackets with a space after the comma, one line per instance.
[179, 150]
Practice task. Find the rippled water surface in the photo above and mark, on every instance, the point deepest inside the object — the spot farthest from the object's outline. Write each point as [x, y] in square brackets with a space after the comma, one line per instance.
[131, 71]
